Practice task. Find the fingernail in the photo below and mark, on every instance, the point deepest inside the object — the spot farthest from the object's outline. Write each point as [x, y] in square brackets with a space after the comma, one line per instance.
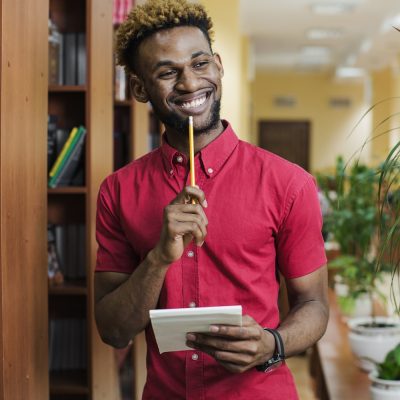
[191, 337]
[205, 204]
[214, 328]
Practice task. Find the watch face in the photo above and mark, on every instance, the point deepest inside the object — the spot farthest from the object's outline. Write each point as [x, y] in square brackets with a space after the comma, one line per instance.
[273, 366]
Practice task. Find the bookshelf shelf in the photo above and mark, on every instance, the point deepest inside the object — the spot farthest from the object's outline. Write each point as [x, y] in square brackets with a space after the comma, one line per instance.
[73, 382]
[122, 103]
[66, 88]
[68, 190]
[71, 288]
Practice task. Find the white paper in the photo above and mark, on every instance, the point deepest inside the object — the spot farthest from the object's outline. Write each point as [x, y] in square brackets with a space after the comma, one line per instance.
[171, 325]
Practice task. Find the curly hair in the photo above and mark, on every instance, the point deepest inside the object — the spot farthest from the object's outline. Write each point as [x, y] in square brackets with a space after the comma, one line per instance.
[153, 16]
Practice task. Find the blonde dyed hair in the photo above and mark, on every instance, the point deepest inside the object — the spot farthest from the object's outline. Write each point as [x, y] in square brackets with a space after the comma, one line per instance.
[153, 16]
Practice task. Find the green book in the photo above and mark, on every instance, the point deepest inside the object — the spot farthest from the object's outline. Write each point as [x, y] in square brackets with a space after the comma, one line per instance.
[53, 179]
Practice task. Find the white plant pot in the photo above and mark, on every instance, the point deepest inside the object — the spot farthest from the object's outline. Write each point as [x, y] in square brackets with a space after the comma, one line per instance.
[372, 343]
[382, 389]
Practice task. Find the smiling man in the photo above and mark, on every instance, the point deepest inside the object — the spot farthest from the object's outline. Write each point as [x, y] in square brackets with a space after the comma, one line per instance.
[257, 216]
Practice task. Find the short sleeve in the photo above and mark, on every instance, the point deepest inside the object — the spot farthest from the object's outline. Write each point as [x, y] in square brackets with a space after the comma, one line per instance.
[114, 253]
[300, 245]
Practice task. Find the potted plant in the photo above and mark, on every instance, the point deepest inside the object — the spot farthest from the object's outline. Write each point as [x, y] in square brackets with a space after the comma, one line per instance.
[386, 378]
[354, 222]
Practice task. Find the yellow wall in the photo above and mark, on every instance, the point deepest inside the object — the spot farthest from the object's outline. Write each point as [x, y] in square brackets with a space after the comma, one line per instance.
[386, 86]
[232, 47]
[330, 127]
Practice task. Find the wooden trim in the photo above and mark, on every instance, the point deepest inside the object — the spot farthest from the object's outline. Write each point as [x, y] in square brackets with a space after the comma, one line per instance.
[67, 88]
[99, 113]
[23, 212]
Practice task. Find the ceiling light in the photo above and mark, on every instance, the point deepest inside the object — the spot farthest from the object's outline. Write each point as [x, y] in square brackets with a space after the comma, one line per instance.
[331, 8]
[323, 33]
[315, 51]
[349, 73]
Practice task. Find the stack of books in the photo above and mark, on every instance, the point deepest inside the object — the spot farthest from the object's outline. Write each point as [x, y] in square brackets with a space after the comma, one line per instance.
[68, 160]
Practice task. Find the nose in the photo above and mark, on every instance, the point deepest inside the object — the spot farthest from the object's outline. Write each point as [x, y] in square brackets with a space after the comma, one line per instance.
[188, 81]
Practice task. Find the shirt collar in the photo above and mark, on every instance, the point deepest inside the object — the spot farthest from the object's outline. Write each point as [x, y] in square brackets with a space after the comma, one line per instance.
[212, 157]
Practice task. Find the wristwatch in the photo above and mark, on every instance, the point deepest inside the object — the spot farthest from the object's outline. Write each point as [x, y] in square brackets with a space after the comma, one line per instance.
[279, 354]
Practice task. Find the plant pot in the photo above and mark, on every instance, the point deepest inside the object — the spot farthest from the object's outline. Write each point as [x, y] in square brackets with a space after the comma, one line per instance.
[370, 344]
[382, 389]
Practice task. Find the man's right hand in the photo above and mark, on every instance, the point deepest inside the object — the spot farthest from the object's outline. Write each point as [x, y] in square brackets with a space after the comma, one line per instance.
[183, 222]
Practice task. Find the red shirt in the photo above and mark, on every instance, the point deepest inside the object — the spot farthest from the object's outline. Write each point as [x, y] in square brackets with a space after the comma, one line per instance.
[263, 214]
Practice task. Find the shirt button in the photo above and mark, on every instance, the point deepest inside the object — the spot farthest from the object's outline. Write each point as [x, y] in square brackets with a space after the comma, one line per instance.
[179, 159]
[190, 254]
[210, 170]
[171, 171]
[192, 304]
[195, 357]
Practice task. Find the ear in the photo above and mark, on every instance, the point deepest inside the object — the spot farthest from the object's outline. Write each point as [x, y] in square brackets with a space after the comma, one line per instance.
[218, 62]
[138, 90]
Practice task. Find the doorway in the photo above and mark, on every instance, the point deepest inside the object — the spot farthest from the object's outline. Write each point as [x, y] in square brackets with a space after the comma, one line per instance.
[287, 139]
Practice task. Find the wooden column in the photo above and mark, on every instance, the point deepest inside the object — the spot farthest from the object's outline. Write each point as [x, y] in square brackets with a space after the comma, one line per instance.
[103, 372]
[23, 210]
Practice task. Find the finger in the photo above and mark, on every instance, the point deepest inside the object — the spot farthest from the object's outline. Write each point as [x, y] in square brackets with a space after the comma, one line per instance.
[252, 332]
[195, 209]
[189, 193]
[200, 341]
[177, 230]
[237, 358]
[198, 231]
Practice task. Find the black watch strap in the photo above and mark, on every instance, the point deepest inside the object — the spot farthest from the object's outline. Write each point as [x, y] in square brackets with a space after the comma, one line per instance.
[279, 353]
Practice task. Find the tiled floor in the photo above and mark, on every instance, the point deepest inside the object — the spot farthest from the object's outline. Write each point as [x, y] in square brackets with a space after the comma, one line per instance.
[299, 367]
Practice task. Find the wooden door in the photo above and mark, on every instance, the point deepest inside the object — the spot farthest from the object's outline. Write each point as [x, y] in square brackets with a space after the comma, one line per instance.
[288, 139]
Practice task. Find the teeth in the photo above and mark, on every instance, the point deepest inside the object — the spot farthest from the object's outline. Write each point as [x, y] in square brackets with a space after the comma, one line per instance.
[194, 103]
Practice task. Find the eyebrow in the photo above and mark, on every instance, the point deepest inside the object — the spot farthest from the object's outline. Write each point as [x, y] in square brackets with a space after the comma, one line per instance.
[164, 63]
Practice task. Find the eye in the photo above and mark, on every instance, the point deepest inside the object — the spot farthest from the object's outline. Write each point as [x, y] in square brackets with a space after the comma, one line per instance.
[201, 64]
[167, 74]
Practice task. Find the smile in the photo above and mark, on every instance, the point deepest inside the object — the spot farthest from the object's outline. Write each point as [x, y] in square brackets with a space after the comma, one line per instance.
[194, 103]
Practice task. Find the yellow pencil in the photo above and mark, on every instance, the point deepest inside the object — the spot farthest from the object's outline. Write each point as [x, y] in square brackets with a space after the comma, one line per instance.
[191, 156]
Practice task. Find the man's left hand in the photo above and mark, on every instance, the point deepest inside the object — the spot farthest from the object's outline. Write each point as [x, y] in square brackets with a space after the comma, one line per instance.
[235, 348]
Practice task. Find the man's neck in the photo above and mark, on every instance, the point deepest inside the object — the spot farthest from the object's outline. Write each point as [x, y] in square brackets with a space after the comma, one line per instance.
[180, 141]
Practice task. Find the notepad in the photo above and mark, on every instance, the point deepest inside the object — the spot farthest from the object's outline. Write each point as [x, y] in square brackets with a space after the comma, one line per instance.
[171, 325]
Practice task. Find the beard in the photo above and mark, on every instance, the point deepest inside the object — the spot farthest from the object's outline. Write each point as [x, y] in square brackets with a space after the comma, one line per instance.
[181, 124]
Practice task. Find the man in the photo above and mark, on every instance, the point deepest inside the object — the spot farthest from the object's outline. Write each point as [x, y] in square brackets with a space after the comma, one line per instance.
[256, 215]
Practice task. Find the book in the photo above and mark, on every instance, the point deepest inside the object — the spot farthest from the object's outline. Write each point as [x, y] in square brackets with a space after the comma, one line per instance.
[70, 58]
[71, 162]
[65, 156]
[81, 59]
[63, 152]
[51, 140]
[170, 326]
[55, 54]
[54, 273]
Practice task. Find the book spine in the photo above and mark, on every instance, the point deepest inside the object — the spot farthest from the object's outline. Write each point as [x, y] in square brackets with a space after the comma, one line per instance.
[70, 52]
[69, 167]
[81, 59]
[71, 146]
[51, 140]
[63, 151]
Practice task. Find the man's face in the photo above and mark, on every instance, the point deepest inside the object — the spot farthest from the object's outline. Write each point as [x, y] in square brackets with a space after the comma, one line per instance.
[181, 77]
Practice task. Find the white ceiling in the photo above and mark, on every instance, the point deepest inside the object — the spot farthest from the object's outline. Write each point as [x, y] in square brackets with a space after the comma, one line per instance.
[278, 32]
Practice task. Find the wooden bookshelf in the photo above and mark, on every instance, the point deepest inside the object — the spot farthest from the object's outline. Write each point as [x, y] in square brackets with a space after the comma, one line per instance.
[90, 105]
